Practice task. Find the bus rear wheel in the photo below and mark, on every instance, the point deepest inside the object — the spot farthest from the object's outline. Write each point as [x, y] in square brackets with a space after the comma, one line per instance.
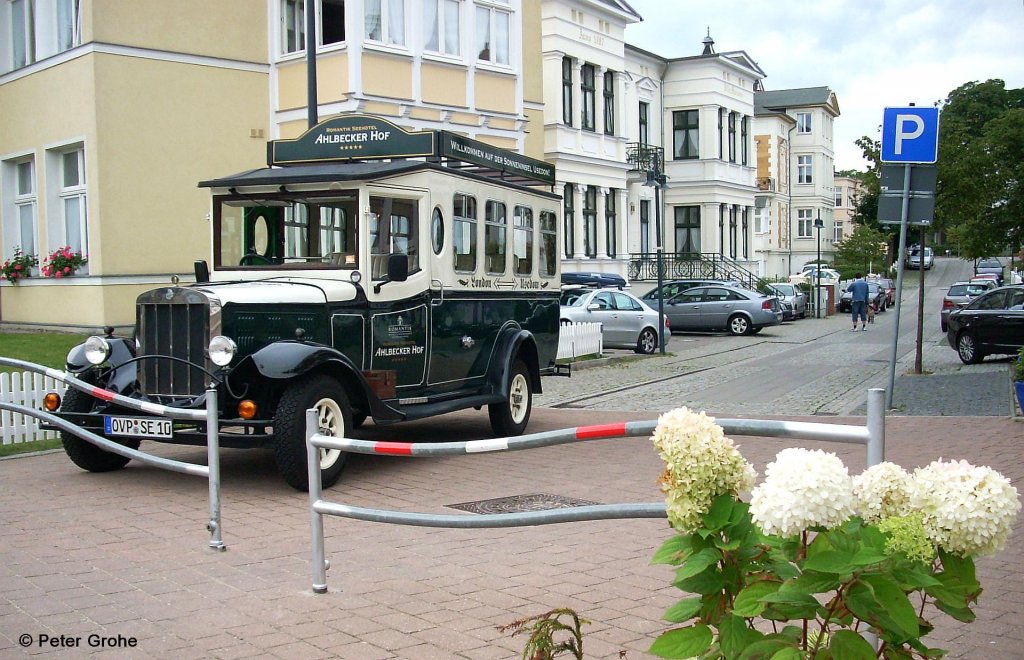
[510, 417]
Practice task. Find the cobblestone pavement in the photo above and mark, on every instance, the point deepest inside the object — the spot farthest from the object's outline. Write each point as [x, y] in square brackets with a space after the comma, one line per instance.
[808, 367]
[122, 555]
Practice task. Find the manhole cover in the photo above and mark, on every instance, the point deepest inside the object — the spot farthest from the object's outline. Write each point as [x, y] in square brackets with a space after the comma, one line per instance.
[521, 503]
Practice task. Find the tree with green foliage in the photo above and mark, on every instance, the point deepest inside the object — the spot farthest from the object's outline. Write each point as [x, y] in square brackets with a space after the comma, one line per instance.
[980, 197]
[864, 250]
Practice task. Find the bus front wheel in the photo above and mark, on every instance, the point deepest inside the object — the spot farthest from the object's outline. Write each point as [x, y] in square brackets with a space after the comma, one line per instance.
[510, 417]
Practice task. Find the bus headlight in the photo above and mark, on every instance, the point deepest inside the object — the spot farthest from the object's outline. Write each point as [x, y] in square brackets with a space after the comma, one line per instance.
[222, 350]
[97, 350]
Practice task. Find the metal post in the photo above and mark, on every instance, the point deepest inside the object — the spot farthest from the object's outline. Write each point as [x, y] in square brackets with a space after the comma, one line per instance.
[213, 463]
[876, 426]
[817, 271]
[311, 102]
[901, 252]
[661, 266]
[316, 520]
[918, 366]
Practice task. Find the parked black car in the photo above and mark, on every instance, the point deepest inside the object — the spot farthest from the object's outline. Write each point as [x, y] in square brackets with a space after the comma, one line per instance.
[598, 280]
[991, 324]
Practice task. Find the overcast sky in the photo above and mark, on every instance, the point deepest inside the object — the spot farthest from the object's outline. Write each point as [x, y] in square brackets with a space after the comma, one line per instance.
[871, 53]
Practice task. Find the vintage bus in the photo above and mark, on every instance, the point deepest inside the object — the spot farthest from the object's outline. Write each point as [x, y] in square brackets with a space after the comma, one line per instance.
[369, 272]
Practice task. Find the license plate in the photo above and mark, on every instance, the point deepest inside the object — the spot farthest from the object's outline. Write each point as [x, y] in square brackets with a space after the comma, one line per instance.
[138, 427]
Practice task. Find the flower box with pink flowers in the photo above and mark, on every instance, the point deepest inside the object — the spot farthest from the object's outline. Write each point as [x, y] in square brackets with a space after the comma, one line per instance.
[62, 262]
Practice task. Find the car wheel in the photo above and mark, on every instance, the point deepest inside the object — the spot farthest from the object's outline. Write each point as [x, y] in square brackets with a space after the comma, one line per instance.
[967, 349]
[944, 327]
[83, 453]
[334, 414]
[739, 325]
[510, 417]
[647, 342]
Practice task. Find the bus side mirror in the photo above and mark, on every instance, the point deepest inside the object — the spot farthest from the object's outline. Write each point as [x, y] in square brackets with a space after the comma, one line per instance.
[202, 271]
[398, 268]
[398, 271]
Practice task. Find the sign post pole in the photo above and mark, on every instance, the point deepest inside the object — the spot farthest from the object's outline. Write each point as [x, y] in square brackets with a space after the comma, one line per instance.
[899, 284]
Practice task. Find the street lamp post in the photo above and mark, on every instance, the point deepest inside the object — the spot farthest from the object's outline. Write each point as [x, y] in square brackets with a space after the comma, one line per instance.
[818, 224]
[657, 180]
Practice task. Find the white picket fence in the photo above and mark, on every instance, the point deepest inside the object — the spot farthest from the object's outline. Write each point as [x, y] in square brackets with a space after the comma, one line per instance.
[25, 389]
[579, 339]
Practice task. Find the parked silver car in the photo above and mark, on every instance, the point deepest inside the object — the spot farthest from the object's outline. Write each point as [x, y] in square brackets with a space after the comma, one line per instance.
[792, 294]
[990, 265]
[958, 296]
[738, 310]
[626, 322]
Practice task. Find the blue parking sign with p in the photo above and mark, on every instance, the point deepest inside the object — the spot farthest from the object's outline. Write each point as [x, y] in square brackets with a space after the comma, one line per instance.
[910, 135]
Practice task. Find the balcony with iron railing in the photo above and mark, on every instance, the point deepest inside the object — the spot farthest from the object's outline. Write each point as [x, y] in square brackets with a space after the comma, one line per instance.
[690, 265]
[645, 157]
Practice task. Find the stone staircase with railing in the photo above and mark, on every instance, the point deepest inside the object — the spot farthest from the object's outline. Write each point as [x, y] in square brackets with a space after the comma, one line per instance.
[705, 265]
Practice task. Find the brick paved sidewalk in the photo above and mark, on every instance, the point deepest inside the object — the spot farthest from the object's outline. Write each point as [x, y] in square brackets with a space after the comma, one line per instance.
[125, 553]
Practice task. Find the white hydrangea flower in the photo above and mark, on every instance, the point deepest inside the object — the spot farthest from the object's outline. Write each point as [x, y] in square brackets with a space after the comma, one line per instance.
[882, 491]
[968, 510]
[802, 488]
[700, 464]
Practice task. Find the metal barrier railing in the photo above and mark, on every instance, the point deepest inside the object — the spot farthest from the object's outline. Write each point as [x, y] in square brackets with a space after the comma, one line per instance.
[211, 470]
[872, 435]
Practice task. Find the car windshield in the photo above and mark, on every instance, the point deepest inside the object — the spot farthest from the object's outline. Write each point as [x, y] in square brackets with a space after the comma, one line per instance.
[989, 263]
[572, 298]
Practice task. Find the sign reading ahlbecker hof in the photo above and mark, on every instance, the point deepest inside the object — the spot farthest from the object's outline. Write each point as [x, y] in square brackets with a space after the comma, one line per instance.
[351, 137]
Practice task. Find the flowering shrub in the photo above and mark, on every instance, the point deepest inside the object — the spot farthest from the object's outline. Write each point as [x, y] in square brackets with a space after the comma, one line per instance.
[18, 266]
[817, 556]
[62, 262]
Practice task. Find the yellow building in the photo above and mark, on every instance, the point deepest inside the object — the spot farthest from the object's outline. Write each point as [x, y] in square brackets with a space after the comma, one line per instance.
[113, 111]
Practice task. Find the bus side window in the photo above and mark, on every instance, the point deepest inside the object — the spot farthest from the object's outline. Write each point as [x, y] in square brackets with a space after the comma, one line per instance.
[464, 229]
[495, 237]
[394, 229]
[548, 243]
[522, 240]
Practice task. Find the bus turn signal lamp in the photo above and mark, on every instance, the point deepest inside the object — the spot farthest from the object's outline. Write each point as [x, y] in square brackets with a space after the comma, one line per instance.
[247, 409]
[51, 401]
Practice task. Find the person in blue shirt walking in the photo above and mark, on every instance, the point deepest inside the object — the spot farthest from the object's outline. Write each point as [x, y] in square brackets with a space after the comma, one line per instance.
[859, 301]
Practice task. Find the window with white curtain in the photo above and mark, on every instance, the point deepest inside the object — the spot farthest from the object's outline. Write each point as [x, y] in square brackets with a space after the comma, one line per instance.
[23, 47]
[493, 23]
[293, 26]
[69, 25]
[385, 21]
[441, 19]
[72, 195]
[804, 223]
[20, 191]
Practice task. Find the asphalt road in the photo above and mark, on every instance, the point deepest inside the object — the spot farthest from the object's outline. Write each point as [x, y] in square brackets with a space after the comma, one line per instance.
[806, 367]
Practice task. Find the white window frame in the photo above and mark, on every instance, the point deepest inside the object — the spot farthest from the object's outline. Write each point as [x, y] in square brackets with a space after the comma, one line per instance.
[839, 196]
[805, 169]
[494, 8]
[447, 45]
[59, 195]
[805, 223]
[761, 220]
[299, 18]
[385, 26]
[803, 123]
[72, 21]
[16, 199]
[28, 33]
[837, 231]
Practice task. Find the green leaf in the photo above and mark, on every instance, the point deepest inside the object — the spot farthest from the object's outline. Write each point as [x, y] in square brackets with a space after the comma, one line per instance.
[673, 551]
[869, 556]
[719, 513]
[748, 602]
[785, 605]
[728, 545]
[764, 649]
[683, 642]
[959, 567]
[684, 610]
[787, 654]
[784, 570]
[848, 645]
[911, 577]
[896, 604]
[696, 563]
[707, 582]
[872, 538]
[813, 582]
[734, 635]
[965, 614]
[831, 561]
